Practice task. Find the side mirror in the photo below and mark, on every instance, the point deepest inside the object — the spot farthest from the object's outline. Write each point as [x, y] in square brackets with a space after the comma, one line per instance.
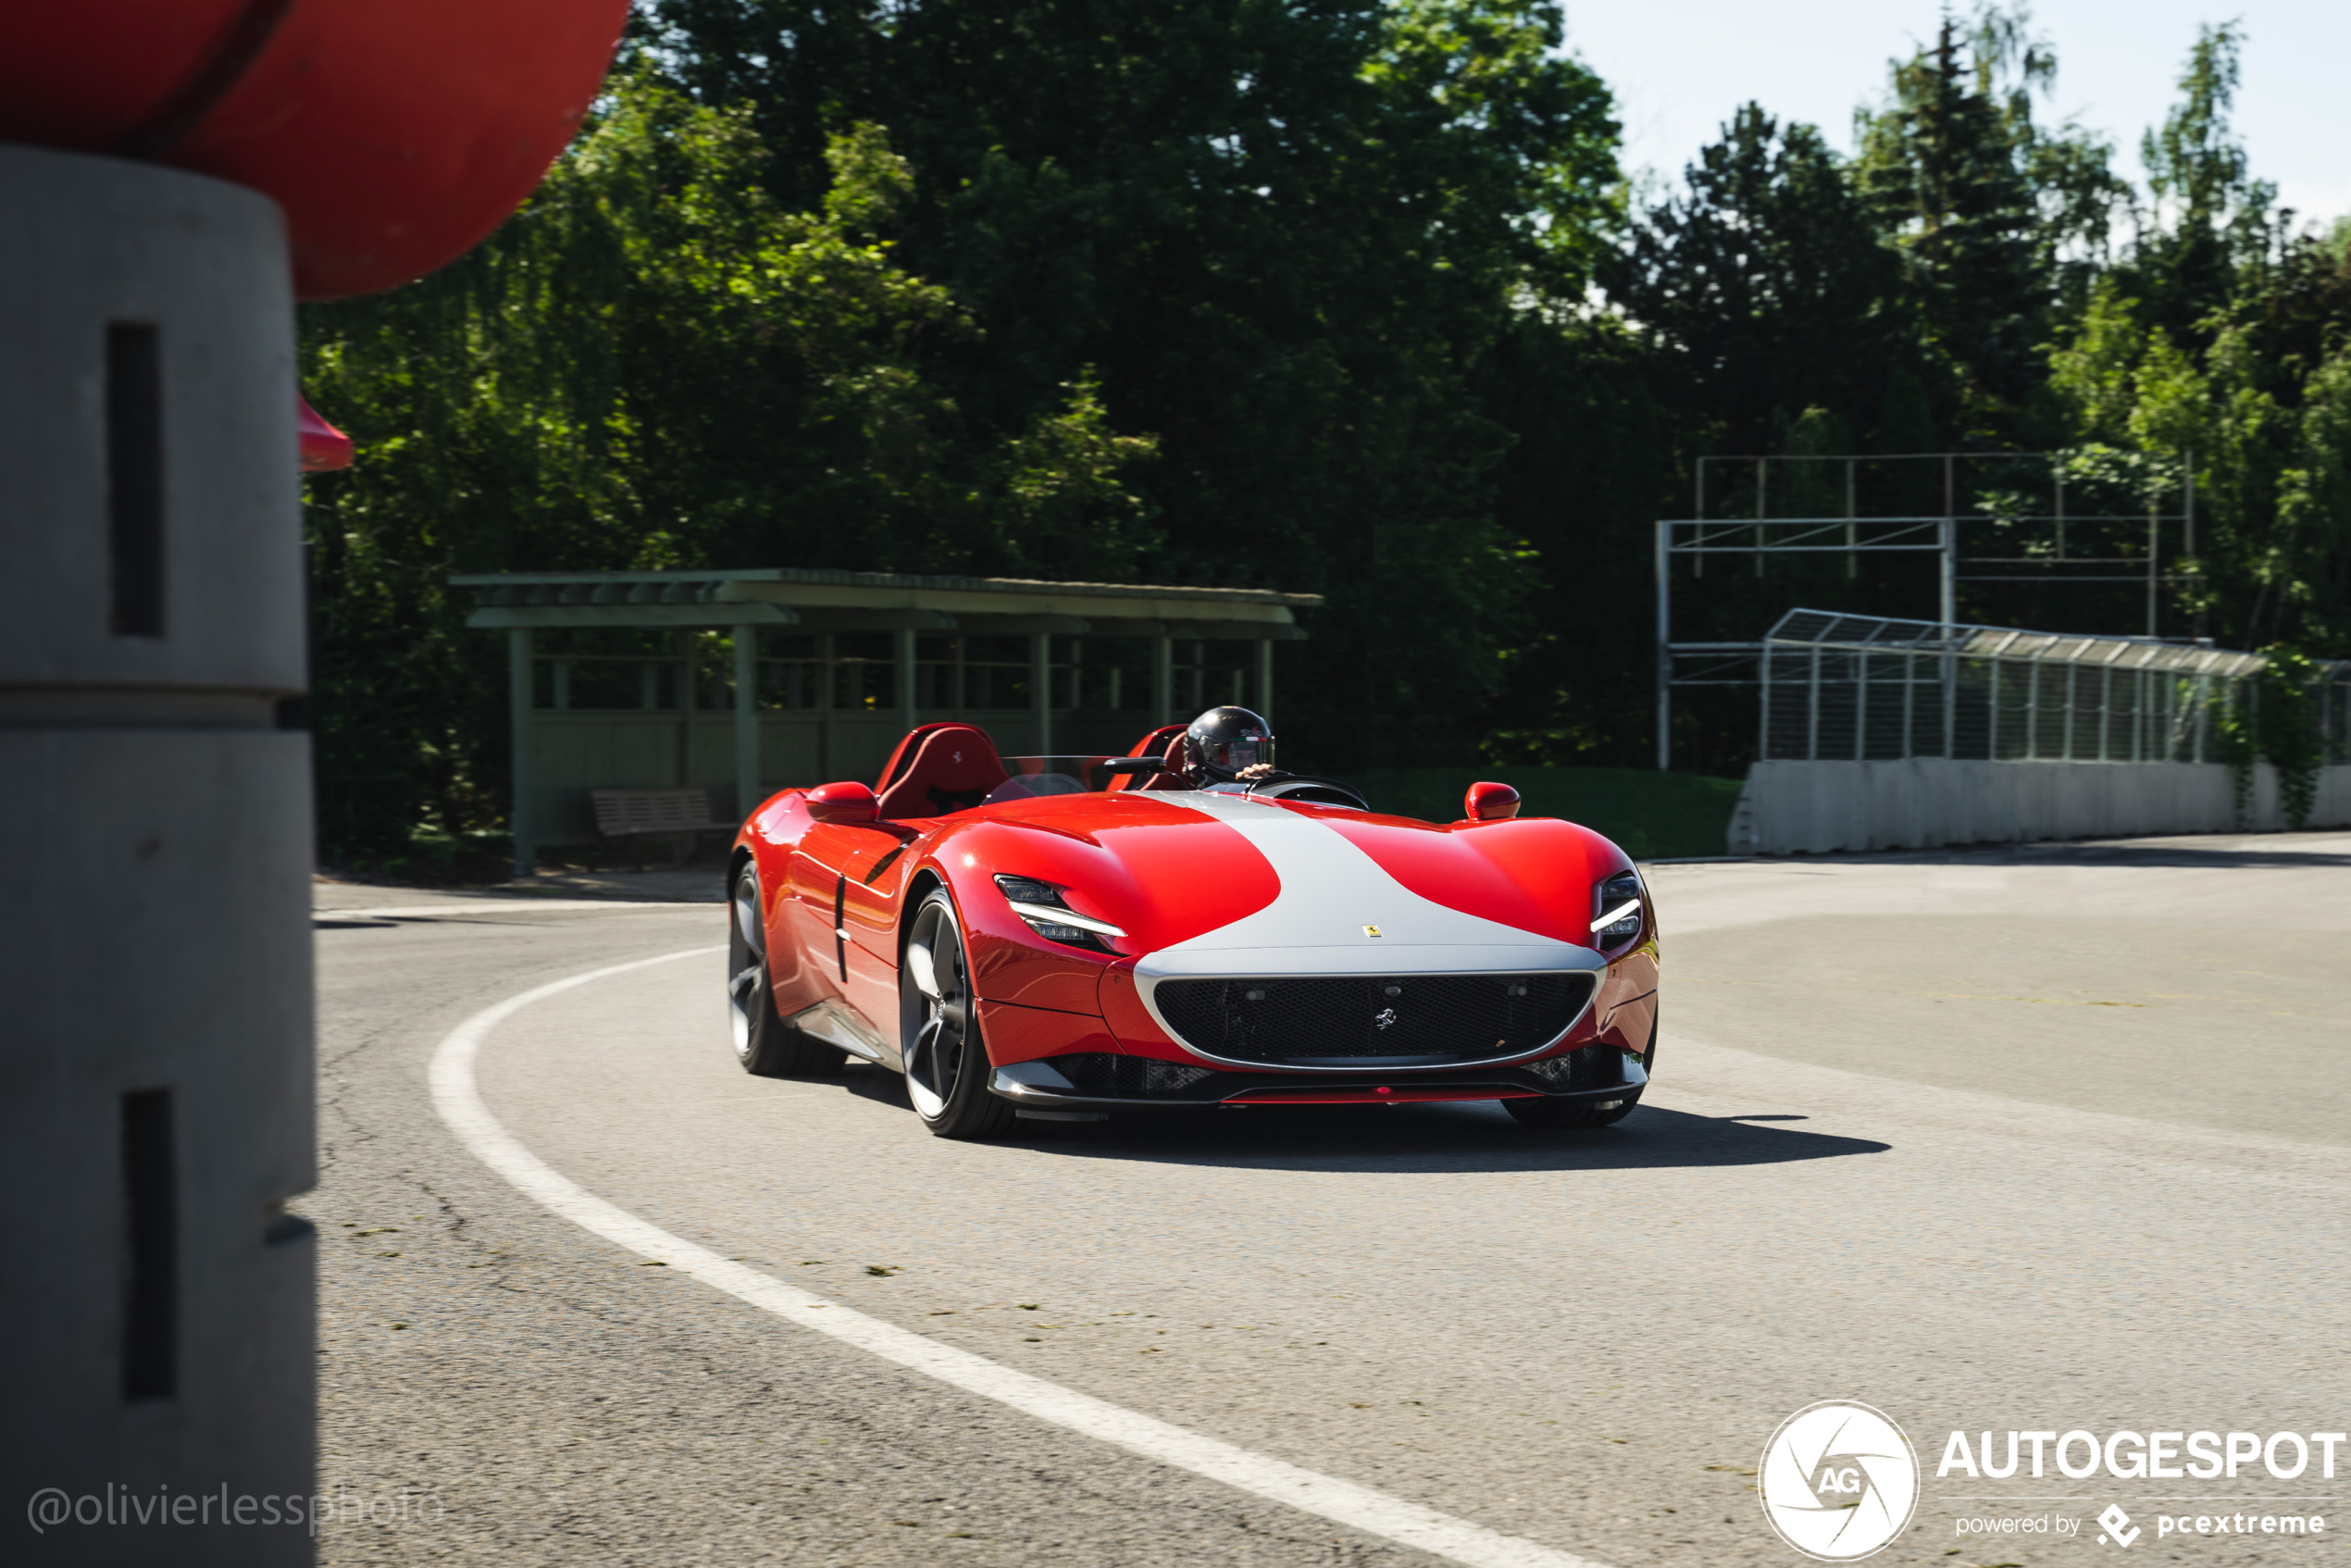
[851, 802]
[1490, 802]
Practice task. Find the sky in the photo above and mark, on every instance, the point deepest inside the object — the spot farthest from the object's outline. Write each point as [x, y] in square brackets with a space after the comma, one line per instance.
[1678, 67]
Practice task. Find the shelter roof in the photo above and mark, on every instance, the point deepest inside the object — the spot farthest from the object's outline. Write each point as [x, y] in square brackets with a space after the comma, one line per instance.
[817, 600]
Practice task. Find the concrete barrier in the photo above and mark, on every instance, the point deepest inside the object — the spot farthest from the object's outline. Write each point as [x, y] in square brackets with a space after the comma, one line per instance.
[1819, 807]
[156, 1321]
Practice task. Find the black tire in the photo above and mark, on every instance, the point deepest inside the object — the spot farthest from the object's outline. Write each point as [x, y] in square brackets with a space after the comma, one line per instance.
[946, 1066]
[765, 1044]
[1583, 1113]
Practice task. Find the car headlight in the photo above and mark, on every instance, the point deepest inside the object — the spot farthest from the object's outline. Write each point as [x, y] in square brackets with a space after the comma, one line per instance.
[1616, 909]
[1041, 906]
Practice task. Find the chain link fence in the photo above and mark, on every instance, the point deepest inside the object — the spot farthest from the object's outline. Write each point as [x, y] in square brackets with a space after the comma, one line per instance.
[1871, 688]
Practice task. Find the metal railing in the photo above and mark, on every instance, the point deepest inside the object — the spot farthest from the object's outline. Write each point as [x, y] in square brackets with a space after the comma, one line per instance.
[1868, 687]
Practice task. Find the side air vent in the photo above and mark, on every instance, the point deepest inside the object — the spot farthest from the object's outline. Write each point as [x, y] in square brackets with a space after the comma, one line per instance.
[1123, 1077]
[1593, 1067]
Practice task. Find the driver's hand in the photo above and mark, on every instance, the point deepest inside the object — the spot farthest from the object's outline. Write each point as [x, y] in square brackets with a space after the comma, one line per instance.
[1255, 770]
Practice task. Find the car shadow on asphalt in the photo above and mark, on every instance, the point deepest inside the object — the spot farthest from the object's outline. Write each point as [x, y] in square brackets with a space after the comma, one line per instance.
[1469, 1136]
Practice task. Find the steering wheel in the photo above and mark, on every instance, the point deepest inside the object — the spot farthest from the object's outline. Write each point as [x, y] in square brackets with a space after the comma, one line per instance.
[1318, 792]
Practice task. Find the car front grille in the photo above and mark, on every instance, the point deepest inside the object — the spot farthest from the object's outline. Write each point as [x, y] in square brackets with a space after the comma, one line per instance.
[1357, 1021]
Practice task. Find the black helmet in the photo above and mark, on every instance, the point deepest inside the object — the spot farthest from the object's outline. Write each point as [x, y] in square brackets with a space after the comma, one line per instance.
[1220, 742]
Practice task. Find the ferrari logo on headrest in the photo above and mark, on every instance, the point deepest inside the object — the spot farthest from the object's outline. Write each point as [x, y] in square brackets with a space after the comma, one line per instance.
[1371, 930]
[959, 756]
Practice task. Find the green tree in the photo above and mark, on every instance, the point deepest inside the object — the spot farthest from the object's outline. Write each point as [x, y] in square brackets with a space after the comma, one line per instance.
[656, 364]
[1287, 234]
[2208, 218]
[1939, 166]
[2077, 198]
[1574, 499]
[1764, 290]
[2223, 337]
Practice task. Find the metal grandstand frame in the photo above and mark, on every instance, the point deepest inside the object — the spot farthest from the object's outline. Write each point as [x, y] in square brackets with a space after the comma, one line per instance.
[1699, 537]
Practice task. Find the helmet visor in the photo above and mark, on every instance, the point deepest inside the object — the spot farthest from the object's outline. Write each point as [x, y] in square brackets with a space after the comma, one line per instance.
[1240, 752]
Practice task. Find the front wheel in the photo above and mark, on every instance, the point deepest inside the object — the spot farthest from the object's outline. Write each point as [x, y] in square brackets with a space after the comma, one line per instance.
[946, 1063]
[765, 1044]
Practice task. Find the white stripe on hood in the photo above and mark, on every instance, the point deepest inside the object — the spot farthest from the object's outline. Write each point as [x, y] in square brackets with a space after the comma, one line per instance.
[1330, 891]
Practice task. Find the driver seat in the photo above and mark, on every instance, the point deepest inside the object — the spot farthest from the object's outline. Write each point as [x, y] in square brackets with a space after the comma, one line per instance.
[1171, 776]
[1167, 742]
[954, 769]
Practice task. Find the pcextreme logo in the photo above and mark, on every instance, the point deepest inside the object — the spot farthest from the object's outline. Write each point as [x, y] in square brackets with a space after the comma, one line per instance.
[1839, 1481]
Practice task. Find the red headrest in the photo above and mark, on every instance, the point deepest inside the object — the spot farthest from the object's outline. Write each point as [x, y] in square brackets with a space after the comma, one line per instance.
[1155, 744]
[1172, 762]
[955, 767]
[902, 757]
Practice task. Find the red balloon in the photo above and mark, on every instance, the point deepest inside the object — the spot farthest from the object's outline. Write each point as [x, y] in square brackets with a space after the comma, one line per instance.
[395, 133]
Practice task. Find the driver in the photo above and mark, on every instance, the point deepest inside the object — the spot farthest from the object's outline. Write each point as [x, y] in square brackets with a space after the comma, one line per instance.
[1228, 746]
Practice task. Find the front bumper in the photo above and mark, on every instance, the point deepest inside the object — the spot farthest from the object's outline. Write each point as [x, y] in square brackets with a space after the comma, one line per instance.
[1101, 1082]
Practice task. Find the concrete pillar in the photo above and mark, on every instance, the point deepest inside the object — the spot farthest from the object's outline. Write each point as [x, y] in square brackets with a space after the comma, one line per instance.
[1162, 680]
[746, 719]
[520, 824]
[682, 647]
[902, 642]
[1265, 680]
[1040, 688]
[827, 674]
[155, 1066]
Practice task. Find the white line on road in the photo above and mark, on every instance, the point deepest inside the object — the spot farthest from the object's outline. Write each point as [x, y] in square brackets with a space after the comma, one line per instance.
[498, 907]
[459, 1103]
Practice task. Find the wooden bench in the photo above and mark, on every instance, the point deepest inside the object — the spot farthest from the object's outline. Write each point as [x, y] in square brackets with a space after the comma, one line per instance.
[633, 813]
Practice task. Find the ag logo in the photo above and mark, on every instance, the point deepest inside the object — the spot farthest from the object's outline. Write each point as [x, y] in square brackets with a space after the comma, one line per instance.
[1839, 1481]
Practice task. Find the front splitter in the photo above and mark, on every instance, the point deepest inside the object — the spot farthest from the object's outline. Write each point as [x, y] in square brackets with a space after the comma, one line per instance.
[1042, 1086]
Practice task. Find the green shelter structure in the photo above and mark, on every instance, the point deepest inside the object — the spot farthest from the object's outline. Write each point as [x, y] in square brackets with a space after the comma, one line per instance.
[744, 682]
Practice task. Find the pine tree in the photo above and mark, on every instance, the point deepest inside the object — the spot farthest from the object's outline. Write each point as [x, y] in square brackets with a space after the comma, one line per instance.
[1939, 167]
[1765, 290]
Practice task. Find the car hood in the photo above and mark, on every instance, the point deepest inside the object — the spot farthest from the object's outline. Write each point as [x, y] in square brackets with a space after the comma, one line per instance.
[1222, 884]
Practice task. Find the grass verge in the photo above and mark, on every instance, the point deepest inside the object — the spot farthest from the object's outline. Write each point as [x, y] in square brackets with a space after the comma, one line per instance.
[1654, 815]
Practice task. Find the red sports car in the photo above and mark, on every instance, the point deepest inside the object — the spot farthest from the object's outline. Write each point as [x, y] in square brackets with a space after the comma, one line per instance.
[1064, 938]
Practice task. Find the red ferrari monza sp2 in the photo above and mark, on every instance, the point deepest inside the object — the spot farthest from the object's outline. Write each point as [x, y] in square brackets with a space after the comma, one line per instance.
[1065, 938]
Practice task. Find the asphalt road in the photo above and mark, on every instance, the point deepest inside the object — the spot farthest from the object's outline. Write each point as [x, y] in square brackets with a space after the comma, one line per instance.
[2035, 1140]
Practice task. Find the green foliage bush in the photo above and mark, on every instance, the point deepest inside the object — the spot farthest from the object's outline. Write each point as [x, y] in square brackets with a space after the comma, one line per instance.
[2276, 721]
[1651, 816]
